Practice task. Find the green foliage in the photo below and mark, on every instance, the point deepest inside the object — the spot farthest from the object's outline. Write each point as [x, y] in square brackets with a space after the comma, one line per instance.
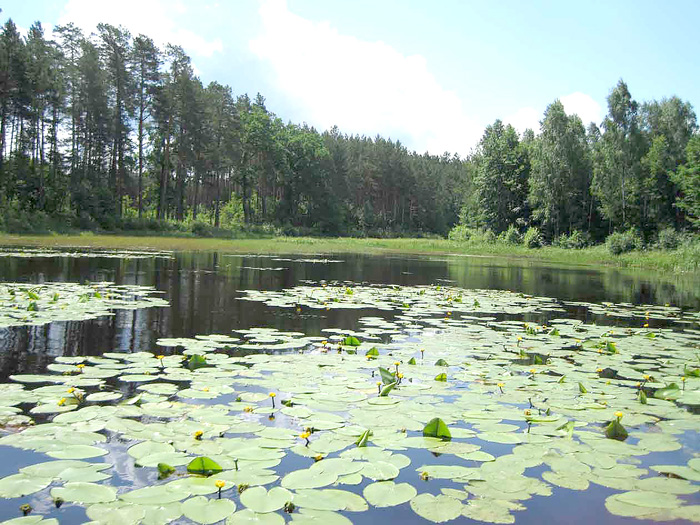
[668, 239]
[351, 340]
[387, 377]
[510, 236]
[204, 466]
[196, 361]
[615, 430]
[436, 427]
[364, 438]
[687, 179]
[576, 240]
[532, 238]
[623, 242]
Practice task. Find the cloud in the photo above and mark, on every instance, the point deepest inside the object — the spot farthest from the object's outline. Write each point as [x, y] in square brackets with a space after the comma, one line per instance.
[363, 87]
[574, 104]
[584, 106]
[525, 118]
[150, 17]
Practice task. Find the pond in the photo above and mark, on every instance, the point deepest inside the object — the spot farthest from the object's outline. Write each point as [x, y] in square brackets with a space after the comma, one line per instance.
[201, 387]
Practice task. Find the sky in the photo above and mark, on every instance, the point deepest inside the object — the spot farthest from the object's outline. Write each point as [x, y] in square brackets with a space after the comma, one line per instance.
[430, 74]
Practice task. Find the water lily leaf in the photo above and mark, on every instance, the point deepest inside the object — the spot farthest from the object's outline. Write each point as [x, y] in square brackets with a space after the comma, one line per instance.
[441, 377]
[388, 388]
[380, 471]
[147, 448]
[569, 481]
[670, 391]
[620, 508]
[319, 517]
[364, 437]
[204, 466]
[352, 341]
[263, 501]
[115, 513]
[80, 492]
[330, 499]
[387, 376]
[18, 485]
[103, 396]
[643, 498]
[77, 452]
[206, 511]
[437, 428]
[437, 509]
[615, 430]
[308, 479]
[388, 493]
[30, 520]
[249, 517]
[155, 495]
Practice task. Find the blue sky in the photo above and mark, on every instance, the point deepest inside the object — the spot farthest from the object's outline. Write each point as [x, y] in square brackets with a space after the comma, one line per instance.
[431, 74]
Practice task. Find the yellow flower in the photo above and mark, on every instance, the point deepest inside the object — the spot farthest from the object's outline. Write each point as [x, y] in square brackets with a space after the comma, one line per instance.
[219, 483]
[161, 357]
[520, 338]
[324, 343]
[62, 401]
[70, 390]
[424, 476]
[533, 370]
[683, 379]
[646, 325]
[379, 383]
[399, 375]
[528, 412]
[396, 363]
[501, 385]
[81, 366]
[646, 377]
[198, 434]
[272, 394]
[599, 370]
[618, 414]
[248, 409]
[305, 435]
[318, 457]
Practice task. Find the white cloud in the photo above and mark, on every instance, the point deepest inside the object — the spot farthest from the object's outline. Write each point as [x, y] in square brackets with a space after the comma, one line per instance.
[150, 17]
[576, 103]
[525, 118]
[361, 86]
[584, 106]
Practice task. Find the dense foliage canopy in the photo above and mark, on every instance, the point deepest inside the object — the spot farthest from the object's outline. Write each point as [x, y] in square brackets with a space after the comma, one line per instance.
[108, 130]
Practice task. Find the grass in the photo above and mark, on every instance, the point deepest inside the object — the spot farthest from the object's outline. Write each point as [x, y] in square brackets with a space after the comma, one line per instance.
[686, 259]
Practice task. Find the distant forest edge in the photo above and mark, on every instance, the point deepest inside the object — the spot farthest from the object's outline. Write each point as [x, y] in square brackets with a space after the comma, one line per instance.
[108, 132]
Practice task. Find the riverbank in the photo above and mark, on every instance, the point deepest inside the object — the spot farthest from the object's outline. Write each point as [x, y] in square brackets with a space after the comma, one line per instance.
[685, 259]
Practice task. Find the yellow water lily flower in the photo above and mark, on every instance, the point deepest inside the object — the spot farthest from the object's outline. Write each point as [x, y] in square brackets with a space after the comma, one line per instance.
[618, 414]
[198, 434]
[62, 401]
[272, 394]
[219, 484]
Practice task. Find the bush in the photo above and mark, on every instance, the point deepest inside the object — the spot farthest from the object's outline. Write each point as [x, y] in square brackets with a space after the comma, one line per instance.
[460, 233]
[532, 238]
[576, 240]
[623, 242]
[510, 236]
[668, 239]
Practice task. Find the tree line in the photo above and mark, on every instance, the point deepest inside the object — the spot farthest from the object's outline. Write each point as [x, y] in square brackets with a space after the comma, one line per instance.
[107, 130]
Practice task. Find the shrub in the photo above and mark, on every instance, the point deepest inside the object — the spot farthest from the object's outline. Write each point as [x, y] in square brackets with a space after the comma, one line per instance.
[668, 239]
[623, 242]
[460, 233]
[510, 236]
[532, 238]
[576, 240]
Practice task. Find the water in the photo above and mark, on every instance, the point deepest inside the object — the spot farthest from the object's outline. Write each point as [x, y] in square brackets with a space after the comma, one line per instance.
[204, 290]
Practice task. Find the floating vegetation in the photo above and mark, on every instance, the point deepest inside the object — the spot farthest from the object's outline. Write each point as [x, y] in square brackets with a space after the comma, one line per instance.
[83, 254]
[23, 304]
[322, 431]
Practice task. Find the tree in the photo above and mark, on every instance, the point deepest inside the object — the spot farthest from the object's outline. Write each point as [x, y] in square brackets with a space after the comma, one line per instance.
[115, 52]
[617, 172]
[688, 180]
[145, 61]
[561, 173]
[500, 181]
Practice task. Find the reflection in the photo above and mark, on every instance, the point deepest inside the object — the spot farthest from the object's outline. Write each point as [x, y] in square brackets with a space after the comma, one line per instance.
[203, 291]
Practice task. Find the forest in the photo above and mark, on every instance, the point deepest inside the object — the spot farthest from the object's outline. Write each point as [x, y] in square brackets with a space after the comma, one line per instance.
[107, 132]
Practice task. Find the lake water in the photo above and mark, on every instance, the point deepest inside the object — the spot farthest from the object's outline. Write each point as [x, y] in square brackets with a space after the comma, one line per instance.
[205, 292]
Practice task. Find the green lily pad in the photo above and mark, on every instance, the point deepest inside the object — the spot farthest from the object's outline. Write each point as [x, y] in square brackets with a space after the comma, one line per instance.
[437, 509]
[80, 492]
[263, 501]
[206, 511]
[388, 493]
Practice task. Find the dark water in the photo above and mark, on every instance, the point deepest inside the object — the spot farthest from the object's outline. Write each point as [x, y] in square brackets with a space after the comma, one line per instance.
[203, 290]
